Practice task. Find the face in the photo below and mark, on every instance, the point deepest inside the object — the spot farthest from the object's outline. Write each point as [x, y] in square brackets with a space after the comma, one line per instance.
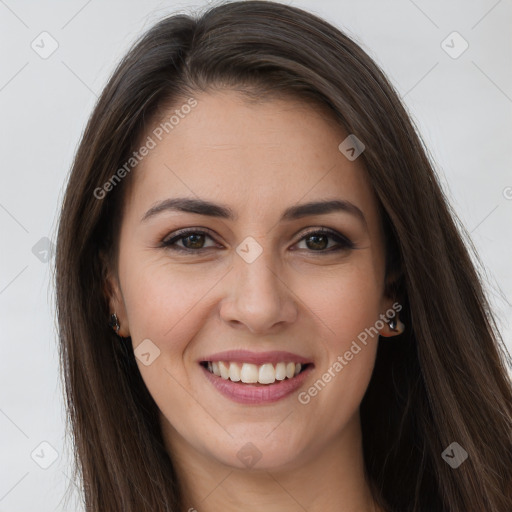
[255, 284]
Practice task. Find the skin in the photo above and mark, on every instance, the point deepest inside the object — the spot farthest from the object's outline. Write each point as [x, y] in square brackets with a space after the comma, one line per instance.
[258, 159]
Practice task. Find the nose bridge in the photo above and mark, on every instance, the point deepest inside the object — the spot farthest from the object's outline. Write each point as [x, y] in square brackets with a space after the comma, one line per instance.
[258, 297]
[256, 278]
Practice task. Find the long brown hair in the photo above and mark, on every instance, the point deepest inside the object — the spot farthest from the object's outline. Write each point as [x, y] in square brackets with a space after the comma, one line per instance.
[444, 380]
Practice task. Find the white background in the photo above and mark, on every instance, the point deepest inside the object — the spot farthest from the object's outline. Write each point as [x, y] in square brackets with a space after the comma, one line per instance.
[462, 107]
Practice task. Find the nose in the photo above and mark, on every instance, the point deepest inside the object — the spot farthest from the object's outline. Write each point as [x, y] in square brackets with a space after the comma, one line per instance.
[258, 299]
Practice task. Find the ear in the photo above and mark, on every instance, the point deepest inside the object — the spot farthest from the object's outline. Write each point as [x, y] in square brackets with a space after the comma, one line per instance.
[391, 318]
[388, 332]
[114, 296]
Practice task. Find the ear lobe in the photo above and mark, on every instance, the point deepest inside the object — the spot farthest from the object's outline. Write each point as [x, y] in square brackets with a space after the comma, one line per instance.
[392, 327]
[113, 296]
[390, 320]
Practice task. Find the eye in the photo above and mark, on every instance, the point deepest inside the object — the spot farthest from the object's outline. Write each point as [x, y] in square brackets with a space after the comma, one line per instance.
[318, 241]
[192, 240]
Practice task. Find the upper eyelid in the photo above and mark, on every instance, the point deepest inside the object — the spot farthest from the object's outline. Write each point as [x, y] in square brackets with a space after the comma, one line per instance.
[182, 233]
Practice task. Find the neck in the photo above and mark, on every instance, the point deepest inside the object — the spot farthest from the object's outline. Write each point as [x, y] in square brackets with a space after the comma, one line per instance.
[328, 480]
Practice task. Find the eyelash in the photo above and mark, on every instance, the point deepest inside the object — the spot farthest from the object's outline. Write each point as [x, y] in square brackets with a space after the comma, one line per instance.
[343, 242]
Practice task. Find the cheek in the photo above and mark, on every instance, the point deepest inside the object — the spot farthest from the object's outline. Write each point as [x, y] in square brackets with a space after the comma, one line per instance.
[169, 306]
[344, 302]
[346, 308]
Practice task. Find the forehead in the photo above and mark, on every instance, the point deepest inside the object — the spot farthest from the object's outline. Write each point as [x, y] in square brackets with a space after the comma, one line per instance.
[253, 156]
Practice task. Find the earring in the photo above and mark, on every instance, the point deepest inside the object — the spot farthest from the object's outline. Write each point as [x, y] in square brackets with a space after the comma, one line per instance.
[114, 322]
[396, 326]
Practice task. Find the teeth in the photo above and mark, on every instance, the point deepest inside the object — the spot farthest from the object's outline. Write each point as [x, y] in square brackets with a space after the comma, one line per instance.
[251, 373]
[267, 374]
[224, 370]
[234, 372]
[280, 371]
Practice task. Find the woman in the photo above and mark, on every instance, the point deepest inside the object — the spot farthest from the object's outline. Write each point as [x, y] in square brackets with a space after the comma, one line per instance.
[264, 300]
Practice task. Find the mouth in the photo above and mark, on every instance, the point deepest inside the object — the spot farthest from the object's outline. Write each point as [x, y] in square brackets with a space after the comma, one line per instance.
[256, 374]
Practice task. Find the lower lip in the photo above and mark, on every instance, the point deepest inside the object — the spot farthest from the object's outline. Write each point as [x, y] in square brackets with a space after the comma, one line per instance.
[257, 393]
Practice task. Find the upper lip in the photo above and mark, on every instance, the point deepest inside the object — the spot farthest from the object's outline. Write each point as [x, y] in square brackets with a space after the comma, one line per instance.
[258, 358]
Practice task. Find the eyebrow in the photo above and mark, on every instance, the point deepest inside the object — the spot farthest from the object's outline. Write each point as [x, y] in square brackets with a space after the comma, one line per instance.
[202, 207]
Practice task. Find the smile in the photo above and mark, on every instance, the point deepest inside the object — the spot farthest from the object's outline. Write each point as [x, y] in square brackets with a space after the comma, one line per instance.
[249, 373]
